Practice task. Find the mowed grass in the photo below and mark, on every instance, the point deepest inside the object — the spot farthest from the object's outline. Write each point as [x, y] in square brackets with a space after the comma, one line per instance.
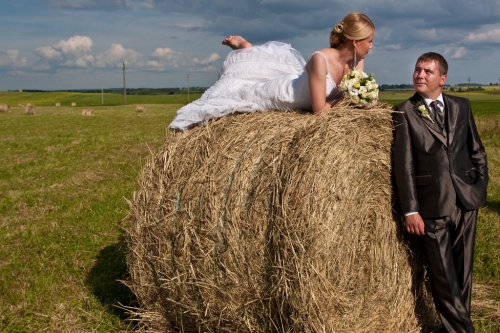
[64, 179]
[90, 99]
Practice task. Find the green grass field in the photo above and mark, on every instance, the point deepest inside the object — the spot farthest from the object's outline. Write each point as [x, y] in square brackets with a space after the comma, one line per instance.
[90, 99]
[64, 179]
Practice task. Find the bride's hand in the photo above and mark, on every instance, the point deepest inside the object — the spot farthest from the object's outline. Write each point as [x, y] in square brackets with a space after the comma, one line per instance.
[335, 101]
[329, 104]
[371, 105]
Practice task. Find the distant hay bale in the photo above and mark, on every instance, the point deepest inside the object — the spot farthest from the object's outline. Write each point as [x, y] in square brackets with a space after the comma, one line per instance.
[87, 112]
[4, 108]
[73, 104]
[58, 104]
[272, 222]
[20, 105]
[30, 109]
[140, 108]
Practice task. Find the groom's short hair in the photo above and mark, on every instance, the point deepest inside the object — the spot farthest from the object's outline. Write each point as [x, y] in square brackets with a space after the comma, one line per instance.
[433, 56]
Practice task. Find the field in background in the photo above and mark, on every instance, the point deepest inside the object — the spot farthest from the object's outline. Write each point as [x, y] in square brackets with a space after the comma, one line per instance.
[491, 88]
[90, 99]
[395, 97]
[64, 179]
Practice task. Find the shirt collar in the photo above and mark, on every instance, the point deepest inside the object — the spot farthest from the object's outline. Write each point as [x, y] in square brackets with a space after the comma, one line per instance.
[440, 99]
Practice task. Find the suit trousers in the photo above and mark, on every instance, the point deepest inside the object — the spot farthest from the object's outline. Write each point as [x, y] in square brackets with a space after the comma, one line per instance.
[449, 250]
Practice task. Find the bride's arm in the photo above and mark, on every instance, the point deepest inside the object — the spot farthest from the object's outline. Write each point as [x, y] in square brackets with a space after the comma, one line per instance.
[316, 67]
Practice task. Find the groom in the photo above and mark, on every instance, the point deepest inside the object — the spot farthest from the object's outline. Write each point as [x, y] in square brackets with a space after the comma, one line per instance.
[441, 175]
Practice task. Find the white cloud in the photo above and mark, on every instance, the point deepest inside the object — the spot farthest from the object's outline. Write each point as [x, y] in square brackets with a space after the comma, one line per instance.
[48, 52]
[204, 69]
[76, 45]
[456, 52]
[165, 52]
[154, 64]
[74, 52]
[392, 46]
[91, 4]
[210, 59]
[428, 34]
[491, 36]
[116, 55]
[148, 4]
[168, 59]
[12, 59]
[186, 26]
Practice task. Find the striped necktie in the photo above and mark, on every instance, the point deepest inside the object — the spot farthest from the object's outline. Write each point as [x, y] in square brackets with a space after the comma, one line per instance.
[438, 114]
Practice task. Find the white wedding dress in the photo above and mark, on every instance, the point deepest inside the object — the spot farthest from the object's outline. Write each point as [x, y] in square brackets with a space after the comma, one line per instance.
[260, 78]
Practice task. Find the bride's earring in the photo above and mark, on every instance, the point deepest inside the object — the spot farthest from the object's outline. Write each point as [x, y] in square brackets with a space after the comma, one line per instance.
[354, 64]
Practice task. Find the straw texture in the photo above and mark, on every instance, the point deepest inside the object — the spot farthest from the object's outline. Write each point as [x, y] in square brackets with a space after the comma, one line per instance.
[272, 222]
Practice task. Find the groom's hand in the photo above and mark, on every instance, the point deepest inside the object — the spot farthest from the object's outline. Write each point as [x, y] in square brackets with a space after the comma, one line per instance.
[414, 224]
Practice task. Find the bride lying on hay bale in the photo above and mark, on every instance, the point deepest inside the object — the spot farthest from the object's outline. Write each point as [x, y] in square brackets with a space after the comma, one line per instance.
[275, 76]
[272, 222]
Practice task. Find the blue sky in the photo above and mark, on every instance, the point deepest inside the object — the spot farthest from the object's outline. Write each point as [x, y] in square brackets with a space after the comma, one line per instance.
[81, 44]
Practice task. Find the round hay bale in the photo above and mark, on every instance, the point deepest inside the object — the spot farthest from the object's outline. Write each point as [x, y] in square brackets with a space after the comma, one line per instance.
[271, 222]
[73, 104]
[140, 108]
[88, 112]
[20, 105]
[30, 109]
[4, 108]
[58, 104]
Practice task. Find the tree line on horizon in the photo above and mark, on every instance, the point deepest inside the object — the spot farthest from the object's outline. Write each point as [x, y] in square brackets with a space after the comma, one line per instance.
[130, 91]
[197, 89]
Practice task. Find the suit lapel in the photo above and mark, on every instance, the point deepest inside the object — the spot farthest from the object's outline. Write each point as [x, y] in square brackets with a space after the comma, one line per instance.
[451, 114]
[417, 100]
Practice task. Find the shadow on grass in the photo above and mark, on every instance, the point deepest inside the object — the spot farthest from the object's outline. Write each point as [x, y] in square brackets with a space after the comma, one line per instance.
[494, 206]
[103, 279]
[424, 306]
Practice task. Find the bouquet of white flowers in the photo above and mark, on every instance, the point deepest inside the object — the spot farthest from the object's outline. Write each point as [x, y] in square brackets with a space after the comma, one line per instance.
[359, 87]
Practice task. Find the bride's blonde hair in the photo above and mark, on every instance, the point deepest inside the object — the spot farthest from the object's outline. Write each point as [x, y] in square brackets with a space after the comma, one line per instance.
[354, 26]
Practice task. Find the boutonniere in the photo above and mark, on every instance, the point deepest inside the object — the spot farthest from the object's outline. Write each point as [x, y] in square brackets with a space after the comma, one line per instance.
[424, 112]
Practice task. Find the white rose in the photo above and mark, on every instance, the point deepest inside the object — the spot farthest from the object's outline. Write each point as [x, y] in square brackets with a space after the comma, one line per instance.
[354, 92]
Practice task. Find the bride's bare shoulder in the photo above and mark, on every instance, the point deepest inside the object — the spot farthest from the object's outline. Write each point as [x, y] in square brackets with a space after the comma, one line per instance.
[328, 51]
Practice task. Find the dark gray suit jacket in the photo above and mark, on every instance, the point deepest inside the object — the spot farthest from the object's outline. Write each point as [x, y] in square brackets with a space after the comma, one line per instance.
[432, 170]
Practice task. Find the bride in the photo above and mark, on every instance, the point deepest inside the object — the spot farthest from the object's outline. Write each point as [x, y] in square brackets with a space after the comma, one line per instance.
[275, 76]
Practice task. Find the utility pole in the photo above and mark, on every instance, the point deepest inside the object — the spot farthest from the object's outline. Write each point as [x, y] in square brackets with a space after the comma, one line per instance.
[124, 85]
[188, 86]
[468, 88]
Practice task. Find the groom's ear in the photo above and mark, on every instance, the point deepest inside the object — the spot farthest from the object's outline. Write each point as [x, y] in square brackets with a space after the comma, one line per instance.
[443, 79]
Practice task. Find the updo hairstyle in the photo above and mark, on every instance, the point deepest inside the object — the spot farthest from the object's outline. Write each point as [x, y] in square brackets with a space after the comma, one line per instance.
[354, 26]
